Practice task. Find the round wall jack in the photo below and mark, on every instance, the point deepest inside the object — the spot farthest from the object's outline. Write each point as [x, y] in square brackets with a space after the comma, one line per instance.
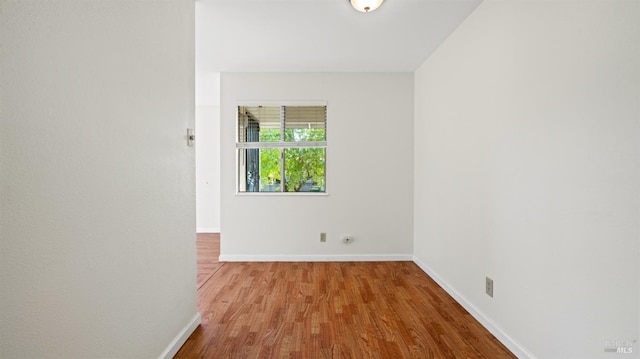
[347, 239]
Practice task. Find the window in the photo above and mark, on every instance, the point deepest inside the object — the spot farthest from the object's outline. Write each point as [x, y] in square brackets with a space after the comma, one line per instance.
[282, 148]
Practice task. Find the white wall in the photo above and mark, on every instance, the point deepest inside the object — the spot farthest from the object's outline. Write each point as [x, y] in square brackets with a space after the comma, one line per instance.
[97, 204]
[208, 169]
[207, 129]
[527, 127]
[207, 152]
[369, 184]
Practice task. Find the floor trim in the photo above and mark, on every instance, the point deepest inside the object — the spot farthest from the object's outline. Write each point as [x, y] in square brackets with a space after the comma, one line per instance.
[517, 349]
[207, 230]
[317, 258]
[181, 338]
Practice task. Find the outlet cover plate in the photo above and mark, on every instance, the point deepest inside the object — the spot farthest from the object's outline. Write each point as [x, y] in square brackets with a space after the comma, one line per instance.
[489, 287]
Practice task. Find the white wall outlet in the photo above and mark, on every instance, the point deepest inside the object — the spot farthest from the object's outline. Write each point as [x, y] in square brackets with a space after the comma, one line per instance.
[489, 286]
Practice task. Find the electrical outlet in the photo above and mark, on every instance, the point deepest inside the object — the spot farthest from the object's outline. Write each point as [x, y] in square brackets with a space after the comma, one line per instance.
[489, 287]
[323, 237]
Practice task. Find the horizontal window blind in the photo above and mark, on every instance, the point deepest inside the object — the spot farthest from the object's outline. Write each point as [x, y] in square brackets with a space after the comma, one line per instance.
[290, 121]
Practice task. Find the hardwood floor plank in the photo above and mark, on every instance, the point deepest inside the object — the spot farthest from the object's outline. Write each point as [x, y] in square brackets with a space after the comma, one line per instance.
[208, 249]
[333, 310]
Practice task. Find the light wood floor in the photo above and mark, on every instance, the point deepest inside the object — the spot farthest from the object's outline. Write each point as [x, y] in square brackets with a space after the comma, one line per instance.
[333, 310]
[208, 249]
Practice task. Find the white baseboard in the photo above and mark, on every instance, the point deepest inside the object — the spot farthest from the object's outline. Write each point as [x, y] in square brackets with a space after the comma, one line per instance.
[181, 338]
[503, 337]
[207, 230]
[317, 258]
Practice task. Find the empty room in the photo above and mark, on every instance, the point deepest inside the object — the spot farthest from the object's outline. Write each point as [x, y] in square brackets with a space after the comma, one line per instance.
[385, 179]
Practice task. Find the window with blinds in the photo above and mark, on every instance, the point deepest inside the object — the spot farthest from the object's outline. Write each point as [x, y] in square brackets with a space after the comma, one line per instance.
[282, 148]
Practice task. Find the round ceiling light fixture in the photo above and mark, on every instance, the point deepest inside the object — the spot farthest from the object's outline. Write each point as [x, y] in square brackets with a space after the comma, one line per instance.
[366, 5]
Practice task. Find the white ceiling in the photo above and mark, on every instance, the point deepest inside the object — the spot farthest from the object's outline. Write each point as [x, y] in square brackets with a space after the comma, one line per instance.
[321, 35]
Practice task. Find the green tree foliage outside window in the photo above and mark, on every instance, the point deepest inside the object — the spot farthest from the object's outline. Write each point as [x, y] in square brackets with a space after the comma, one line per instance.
[270, 176]
[304, 168]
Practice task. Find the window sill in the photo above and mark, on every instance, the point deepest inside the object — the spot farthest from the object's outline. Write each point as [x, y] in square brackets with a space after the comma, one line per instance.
[294, 194]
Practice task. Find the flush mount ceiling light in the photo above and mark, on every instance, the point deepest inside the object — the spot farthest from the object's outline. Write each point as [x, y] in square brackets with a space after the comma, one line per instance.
[366, 5]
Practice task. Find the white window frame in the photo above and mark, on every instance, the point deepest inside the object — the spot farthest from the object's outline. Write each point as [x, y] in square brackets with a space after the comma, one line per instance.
[280, 144]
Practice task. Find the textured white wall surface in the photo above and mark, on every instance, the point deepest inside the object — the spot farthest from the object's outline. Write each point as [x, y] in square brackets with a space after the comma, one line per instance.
[207, 131]
[208, 169]
[527, 134]
[369, 169]
[97, 204]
